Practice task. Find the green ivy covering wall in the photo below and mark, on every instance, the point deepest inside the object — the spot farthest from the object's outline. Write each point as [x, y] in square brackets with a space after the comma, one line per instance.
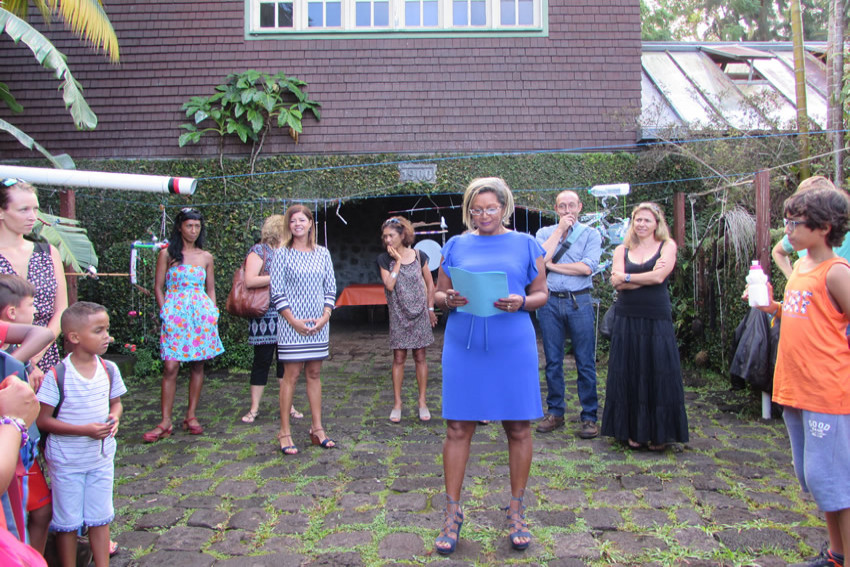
[115, 219]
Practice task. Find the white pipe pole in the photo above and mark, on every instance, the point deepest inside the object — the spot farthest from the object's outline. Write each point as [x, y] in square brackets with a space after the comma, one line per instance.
[100, 179]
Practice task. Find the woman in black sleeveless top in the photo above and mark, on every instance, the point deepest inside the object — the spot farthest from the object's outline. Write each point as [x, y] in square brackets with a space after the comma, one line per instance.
[644, 401]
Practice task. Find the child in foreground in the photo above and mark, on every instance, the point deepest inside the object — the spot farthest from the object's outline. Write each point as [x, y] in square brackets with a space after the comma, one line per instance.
[81, 446]
[17, 313]
[813, 361]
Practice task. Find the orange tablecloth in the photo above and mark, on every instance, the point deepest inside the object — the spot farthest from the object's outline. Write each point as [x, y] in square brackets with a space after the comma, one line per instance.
[362, 294]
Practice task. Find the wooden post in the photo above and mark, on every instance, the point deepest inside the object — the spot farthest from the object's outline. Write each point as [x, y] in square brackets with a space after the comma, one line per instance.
[68, 209]
[679, 219]
[762, 190]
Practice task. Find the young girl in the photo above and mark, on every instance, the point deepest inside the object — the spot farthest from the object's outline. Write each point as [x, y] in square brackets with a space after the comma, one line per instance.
[185, 294]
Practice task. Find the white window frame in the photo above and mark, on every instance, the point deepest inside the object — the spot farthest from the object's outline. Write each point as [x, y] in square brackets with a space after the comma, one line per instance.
[397, 25]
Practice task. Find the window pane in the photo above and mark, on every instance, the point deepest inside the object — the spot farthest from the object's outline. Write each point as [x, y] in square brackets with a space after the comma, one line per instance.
[284, 15]
[459, 18]
[382, 14]
[526, 12]
[507, 11]
[334, 14]
[479, 13]
[266, 15]
[315, 18]
[429, 15]
[411, 14]
[363, 14]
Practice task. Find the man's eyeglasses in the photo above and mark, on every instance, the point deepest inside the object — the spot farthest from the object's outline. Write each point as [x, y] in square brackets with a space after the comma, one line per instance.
[189, 210]
[489, 210]
[792, 223]
[9, 181]
[567, 206]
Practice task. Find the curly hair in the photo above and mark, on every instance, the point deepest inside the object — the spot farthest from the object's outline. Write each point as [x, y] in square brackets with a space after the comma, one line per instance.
[274, 227]
[402, 226]
[822, 208]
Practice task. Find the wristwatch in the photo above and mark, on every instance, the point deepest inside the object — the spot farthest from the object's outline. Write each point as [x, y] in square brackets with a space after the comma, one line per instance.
[628, 278]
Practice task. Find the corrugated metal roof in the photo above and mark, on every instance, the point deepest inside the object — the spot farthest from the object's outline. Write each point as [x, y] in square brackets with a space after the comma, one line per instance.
[746, 86]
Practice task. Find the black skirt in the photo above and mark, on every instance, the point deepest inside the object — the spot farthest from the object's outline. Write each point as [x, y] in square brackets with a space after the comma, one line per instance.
[644, 399]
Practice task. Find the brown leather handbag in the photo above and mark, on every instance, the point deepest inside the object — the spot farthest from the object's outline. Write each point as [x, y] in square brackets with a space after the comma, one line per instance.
[246, 302]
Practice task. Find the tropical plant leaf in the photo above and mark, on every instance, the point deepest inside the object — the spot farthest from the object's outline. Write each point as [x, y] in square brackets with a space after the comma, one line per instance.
[69, 238]
[61, 161]
[8, 98]
[52, 59]
[87, 19]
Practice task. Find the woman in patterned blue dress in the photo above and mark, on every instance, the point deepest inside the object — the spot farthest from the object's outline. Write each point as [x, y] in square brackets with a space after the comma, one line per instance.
[490, 364]
[303, 289]
[262, 331]
[185, 293]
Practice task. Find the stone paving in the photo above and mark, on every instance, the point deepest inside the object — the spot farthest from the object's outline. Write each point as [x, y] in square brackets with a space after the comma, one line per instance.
[229, 498]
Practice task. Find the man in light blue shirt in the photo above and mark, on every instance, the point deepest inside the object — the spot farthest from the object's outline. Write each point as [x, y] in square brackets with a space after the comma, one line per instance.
[572, 254]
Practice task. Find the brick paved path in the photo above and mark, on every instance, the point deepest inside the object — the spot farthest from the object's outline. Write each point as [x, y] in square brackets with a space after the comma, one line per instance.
[229, 498]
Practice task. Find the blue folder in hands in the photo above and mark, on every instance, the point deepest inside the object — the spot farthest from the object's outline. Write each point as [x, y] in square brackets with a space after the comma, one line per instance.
[481, 289]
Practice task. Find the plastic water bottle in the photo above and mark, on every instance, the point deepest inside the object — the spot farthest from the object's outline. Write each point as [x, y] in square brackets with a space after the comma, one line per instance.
[757, 286]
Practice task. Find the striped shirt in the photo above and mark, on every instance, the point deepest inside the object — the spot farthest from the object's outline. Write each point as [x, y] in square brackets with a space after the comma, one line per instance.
[86, 401]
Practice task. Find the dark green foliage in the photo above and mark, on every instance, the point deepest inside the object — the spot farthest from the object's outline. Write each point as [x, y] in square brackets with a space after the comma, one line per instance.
[115, 219]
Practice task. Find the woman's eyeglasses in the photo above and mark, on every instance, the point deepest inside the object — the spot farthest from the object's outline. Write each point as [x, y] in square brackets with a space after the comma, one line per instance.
[9, 181]
[489, 210]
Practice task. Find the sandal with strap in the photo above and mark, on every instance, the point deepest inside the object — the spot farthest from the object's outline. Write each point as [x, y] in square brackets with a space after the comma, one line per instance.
[326, 443]
[250, 416]
[290, 449]
[157, 433]
[451, 526]
[193, 428]
[517, 525]
[294, 413]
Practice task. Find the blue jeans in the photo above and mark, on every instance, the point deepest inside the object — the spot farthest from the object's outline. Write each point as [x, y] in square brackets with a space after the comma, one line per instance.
[558, 317]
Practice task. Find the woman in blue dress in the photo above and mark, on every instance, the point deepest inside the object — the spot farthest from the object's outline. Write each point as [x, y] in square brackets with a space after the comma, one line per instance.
[185, 293]
[490, 364]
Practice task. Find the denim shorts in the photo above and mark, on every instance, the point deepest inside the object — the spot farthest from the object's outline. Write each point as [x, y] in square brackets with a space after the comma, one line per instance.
[820, 447]
[81, 497]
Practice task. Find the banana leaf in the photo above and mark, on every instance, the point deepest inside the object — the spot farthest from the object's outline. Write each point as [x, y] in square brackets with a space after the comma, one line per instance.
[61, 161]
[70, 238]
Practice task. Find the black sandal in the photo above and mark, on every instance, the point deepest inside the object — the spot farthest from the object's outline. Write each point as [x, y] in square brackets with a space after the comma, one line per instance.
[451, 526]
[517, 524]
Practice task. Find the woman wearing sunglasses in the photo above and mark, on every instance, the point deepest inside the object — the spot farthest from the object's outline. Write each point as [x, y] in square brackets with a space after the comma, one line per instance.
[185, 293]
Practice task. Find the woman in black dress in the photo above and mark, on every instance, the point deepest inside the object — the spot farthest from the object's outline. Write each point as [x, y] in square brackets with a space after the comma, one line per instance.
[644, 401]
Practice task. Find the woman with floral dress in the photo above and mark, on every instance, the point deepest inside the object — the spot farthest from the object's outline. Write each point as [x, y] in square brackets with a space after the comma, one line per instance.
[185, 292]
[409, 288]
